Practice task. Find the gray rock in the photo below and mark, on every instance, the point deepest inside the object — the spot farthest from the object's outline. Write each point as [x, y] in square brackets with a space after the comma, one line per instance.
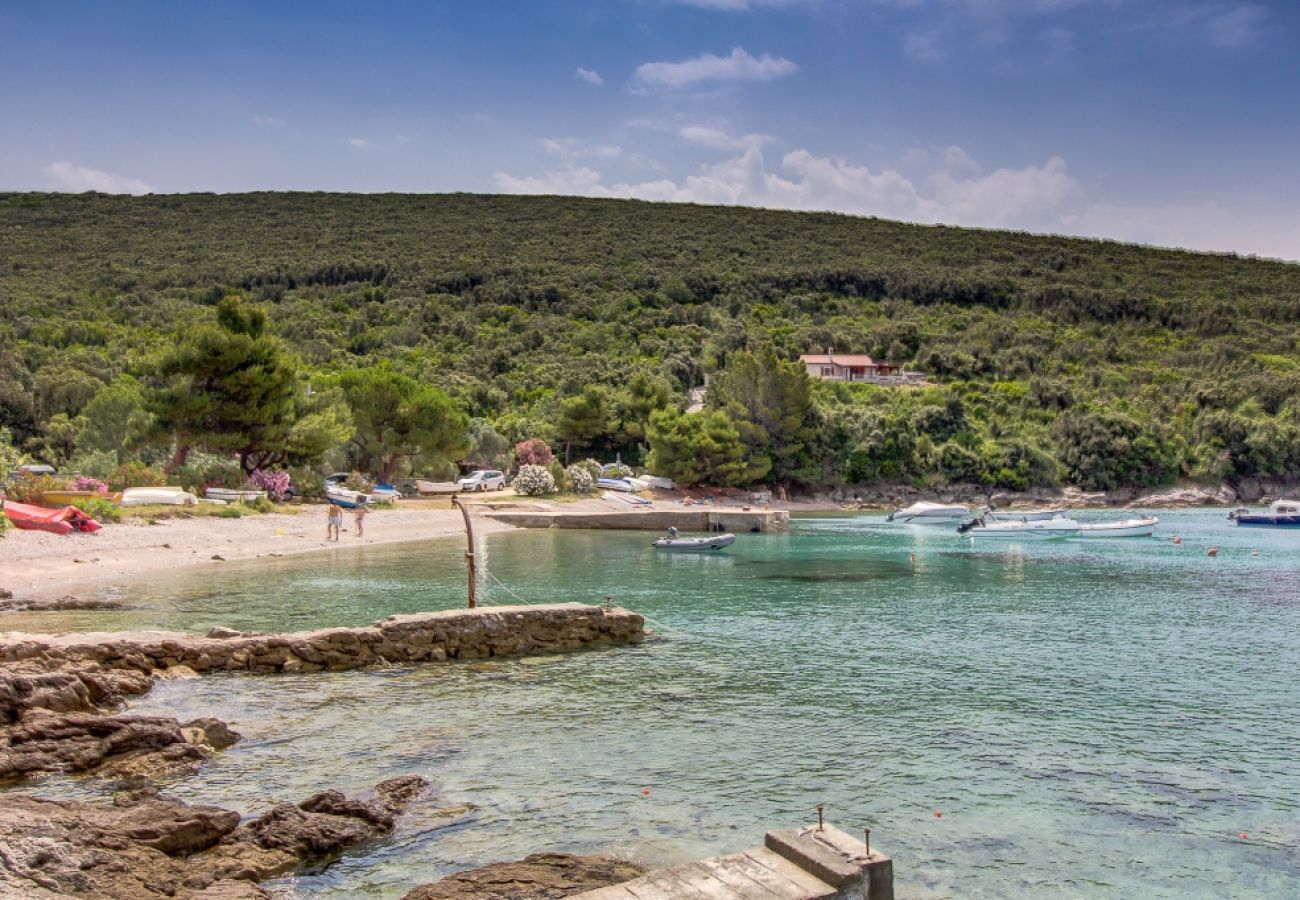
[541, 876]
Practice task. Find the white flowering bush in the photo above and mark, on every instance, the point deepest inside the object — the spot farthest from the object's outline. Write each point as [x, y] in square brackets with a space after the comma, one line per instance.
[579, 477]
[618, 470]
[533, 480]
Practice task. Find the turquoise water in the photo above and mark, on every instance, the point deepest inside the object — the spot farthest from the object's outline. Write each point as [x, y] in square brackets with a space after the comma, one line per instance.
[1090, 719]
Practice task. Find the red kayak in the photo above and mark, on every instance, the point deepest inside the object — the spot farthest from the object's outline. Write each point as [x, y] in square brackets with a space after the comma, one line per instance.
[60, 521]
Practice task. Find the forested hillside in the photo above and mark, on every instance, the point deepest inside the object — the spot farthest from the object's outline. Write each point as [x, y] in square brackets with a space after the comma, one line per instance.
[585, 322]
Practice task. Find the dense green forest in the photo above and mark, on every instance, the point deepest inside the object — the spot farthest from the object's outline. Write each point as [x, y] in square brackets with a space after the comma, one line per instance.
[586, 322]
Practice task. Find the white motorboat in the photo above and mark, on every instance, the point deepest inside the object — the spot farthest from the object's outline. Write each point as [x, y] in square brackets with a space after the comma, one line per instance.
[923, 512]
[341, 496]
[1042, 530]
[1025, 515]
[1140, 527]
[158, 496]
[232, 495]
[695, 544]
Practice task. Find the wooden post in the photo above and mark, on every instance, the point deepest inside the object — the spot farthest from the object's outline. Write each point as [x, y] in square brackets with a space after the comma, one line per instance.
[469, 553]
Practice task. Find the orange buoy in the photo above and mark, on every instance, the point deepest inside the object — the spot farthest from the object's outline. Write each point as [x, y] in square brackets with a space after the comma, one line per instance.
[1244, 836]
[645, 792]
[1213, 551]
[1177, 539]
[937, 814]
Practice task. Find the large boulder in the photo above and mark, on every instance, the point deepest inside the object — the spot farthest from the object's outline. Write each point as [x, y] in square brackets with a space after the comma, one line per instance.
[542, 876]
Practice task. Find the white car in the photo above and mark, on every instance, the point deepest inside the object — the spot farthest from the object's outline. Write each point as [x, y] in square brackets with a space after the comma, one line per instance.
[483, 480]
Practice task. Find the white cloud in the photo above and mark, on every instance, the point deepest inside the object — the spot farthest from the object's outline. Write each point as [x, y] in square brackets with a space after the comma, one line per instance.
[591, 76]
[267, 121]
[361, 143]
[923, 46]
[717, 139]
[739, 66]
[572, 148]
[1200, 226]
[956, 194]
[743, 5]
[77, 178]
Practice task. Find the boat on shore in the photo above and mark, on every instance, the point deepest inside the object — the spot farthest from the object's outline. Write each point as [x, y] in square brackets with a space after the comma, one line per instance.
[424, 488]
[923, 512]
[1143, 526]
[233, 495]
[341, 496]
[158, 496]
[1281, 514]
[695, 544]
[59, 521]
[616, 484]
[1019, 530]
[629, 499]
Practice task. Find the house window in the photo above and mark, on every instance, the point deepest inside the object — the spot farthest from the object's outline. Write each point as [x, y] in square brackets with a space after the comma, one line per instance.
[828, 372]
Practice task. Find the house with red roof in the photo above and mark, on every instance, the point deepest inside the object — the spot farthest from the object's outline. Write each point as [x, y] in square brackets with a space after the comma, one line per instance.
[832, 366]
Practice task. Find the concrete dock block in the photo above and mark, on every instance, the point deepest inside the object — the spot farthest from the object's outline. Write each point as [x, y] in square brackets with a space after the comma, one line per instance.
[836, 858]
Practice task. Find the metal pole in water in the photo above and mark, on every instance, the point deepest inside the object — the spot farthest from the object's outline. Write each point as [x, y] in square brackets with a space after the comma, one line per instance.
[469, 553]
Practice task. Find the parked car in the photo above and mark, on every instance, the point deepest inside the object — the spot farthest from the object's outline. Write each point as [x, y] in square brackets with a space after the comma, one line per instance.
[483, 480]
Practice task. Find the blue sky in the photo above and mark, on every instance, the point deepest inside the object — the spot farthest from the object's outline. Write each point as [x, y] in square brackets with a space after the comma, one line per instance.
[1172, 122]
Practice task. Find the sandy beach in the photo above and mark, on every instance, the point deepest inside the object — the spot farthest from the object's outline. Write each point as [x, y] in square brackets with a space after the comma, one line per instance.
[36, 564]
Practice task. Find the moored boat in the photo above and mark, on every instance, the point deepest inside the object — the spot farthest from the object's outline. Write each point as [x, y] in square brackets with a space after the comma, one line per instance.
[923, 512]
[1144, 526]
[695, 544]
[1027, 515]
[1041, 530]
[1281, 514]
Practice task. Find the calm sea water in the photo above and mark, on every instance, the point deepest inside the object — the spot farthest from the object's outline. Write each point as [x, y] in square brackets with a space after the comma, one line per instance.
[1050, 719]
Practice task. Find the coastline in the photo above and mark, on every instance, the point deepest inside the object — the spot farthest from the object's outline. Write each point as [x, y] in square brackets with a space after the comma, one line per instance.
[38, 564]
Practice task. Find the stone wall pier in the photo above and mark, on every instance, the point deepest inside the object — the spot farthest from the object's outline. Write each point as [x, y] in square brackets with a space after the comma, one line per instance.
[419, 637]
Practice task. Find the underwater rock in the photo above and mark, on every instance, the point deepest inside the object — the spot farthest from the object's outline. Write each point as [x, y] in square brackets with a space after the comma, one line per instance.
[541, 876]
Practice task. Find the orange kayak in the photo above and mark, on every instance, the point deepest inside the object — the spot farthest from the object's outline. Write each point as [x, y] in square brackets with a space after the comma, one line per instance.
[60, 521]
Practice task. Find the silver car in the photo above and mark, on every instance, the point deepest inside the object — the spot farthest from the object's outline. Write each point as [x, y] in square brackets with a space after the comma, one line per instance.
[483, 480]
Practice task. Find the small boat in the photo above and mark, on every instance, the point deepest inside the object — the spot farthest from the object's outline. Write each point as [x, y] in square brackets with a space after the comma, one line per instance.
[341, 496]
[65, 498]
[385, 493]
[436, 487]
[158, 496]
[1282, 514]
[659, 482]
[60, 521]
[696, 544]
[1140, 527]
[616, 484]
[1026, 515]
[626, 498]
[923, 512]
[232, 495]
[1042, 530]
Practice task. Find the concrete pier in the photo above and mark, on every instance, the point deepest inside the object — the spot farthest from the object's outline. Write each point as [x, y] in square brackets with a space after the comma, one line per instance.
[812, 863]
[683, 518]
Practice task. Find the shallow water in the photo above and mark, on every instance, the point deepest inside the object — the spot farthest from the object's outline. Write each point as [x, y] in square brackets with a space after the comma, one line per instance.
[1099, 718]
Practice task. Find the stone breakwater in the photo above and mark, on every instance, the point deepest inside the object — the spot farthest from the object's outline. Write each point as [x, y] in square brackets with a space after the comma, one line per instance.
[418, 637]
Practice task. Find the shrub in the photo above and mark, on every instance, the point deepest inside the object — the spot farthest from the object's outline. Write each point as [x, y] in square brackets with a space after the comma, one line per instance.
[557, 474]
[533, 452]
[592, 467]
[205, 470]
[533, 480]
[229, 512]
[276, 484]
[261, 505]
[86, 483]
[136, 474]
[101, 509]
[27, 488]
[96, 463]
[617, 470]
[579, 478]
[310, 483]
[357, 482]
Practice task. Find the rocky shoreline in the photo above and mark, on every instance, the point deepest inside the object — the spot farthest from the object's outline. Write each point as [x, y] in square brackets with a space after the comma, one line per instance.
[59, 713]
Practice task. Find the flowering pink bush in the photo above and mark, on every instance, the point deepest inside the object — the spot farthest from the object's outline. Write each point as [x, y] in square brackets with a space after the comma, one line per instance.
[533, 452]
[276, 484]
[86, 483]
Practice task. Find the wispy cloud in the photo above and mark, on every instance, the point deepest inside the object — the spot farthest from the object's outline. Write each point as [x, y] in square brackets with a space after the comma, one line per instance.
[361, 143]
[73, 177]
[743, 5]
[717, 139]
[739, 66]
[923, 46]
[1235, 27]
[572, 148]
[591, 76]
[267, 121]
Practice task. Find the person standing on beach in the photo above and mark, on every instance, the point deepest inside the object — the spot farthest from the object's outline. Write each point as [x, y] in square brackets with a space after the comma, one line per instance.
[358, 514]
[333, 523]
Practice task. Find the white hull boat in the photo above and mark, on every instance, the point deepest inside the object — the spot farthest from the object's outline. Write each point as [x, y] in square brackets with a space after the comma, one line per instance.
[1143, 527]
[341, 496]
[1050, 529]
[629, 499]
[924, 512]
[616, 484]
[1027, 515]
[230, 495]
[695, 545]
[436, 487]
[158, 496]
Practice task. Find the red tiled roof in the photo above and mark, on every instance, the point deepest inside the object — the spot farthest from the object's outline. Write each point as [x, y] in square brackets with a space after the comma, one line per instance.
[839, 359]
